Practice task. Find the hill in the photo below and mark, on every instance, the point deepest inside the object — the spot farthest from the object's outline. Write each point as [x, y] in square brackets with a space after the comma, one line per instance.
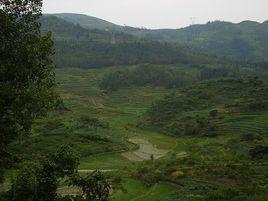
[79, 47]
[246, 41]
[63, 30]
[195, 109]
[88, 22]
[83, 48]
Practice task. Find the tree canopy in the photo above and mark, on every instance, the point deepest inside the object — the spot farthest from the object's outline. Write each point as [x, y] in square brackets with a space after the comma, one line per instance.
[26, 70]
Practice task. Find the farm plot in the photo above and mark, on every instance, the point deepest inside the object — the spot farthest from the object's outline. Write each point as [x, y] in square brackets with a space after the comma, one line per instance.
[146, 151]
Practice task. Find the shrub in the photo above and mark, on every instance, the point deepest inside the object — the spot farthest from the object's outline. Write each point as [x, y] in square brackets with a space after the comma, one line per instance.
[177, 173]
[213, 113]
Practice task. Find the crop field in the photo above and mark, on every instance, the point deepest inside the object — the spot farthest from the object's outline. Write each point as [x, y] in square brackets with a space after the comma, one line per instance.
[135, 191]
[146, 151]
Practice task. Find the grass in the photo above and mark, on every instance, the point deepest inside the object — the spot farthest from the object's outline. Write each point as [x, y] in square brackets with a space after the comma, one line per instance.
[134, 190]
[105, 161]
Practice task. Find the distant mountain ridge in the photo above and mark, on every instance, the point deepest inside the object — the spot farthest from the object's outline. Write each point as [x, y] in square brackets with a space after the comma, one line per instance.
[88, 22]
[244, 41]
[79, 47]
[65, 30]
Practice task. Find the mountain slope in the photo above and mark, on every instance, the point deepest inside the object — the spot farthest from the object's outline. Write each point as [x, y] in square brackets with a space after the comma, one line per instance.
[88, 22]
[83, 48]
[64, 30]
[245, 41]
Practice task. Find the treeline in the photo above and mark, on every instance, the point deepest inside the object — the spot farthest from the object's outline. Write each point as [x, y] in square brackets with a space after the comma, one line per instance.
[88, 54]
[170, 76]
[154, 75]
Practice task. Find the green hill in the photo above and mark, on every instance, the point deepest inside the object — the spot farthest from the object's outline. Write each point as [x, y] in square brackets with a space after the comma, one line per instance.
[246, 41]
[90, 48]
[83, 48]
[88, 22]
[193, 110]
[63, 30]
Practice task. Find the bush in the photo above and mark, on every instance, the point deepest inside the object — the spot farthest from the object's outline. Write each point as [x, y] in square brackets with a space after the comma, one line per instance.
[177, 174]
[213, 113]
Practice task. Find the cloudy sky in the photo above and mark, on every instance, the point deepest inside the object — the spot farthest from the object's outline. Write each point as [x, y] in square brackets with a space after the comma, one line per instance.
[163, 13]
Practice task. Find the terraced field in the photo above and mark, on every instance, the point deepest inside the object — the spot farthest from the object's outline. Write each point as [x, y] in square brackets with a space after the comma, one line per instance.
[146, 151]
[152, 164]
[250, 123]
[136, 191]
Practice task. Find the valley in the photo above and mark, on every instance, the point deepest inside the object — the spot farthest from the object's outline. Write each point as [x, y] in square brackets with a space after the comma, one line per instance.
[95, 111]
[151, 161]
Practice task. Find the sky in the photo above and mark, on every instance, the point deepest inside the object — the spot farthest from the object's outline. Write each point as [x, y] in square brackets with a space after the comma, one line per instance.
[163, 13]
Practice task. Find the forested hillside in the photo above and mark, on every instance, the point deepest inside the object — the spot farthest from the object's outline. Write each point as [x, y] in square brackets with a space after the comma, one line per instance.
[202, 109]
[64, 30]
[174, 76]
[88, 22]
[80, 47]
[245, 41]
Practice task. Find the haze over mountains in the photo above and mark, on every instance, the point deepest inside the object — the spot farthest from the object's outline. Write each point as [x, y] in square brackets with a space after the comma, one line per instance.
[246, 41]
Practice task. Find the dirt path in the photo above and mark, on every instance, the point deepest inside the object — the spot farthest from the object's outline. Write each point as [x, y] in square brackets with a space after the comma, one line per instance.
[89, 171]
[146, 151]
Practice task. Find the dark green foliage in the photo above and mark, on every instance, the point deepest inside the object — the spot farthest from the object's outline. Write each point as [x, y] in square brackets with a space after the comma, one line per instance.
[142, 75]
[92, 54]
[66, 161]
[26, 70]
[39, 181]
[246, 41]
[24, 185]
[206, 192]
[174, 113]
[213, 113]
[59, 105]
[173, 76]
[94, 186]
[91, 123]
[248, 137]
[90, 48]
[81, 48]
[88, 22]
[259, 152]
[66, 31]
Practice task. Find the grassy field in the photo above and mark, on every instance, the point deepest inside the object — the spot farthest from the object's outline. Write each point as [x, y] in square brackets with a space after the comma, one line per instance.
[134, 190]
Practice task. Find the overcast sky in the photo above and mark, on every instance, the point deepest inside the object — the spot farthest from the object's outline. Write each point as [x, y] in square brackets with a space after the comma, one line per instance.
[163, 13]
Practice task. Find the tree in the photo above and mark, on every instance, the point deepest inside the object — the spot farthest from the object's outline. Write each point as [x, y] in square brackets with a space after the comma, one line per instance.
[90, 122]
[38, 181]
[26, 71]
[24, 186]
[95, 186]
[213, 113]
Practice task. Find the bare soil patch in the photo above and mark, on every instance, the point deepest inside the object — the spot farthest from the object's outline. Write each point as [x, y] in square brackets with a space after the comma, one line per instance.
[146, 151]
